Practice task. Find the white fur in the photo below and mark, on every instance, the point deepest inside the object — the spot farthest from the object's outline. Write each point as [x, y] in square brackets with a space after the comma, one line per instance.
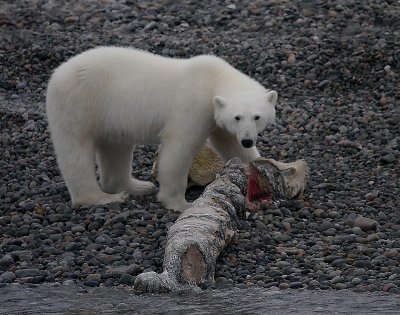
[103, 102]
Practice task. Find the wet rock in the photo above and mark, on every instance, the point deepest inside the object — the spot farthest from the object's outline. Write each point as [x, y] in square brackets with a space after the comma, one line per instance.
[296, 285]
[7, 277]
[132, 269]
[337, 279]
[389, 287]
[356, 281]
[26, 273]
[126, 279]
[93, 280]
[284, 286]
[91, 283]
[313, 284]
[6, 261]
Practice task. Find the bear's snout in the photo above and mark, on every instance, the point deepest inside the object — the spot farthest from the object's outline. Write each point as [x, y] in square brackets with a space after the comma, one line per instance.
[247, 143]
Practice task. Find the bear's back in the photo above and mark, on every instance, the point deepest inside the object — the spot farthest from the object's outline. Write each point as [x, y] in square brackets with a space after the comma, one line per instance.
[116, 60]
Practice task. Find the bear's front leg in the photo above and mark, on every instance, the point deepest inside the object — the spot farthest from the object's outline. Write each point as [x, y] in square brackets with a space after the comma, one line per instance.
[174, 163]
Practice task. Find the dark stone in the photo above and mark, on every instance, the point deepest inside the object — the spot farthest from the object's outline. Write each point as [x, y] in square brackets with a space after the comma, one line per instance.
[329, 259]
[25, 273]
[296, 285]
[388, 158]
[7, 277]
[339, 262]
[91, 283]
[72, 246]
[126, 279]
[6, 261]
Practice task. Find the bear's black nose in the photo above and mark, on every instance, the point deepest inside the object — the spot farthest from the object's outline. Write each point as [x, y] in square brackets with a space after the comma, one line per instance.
[247, 143]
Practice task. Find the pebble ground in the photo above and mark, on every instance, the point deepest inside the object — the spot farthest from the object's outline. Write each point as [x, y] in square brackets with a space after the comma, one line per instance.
[335, 65]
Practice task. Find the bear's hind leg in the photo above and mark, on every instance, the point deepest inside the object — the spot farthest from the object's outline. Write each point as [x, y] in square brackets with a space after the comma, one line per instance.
[115, 164]
[76, 160]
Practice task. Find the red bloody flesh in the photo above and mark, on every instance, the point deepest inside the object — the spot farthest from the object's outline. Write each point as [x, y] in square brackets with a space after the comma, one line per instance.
[258, 189]
[253, 189]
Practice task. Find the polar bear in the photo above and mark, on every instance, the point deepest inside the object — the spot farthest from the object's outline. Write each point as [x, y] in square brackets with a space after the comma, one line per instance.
[103, 102]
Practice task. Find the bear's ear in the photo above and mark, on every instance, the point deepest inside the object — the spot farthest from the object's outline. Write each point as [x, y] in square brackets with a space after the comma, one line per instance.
[219, 102]
[272, 97]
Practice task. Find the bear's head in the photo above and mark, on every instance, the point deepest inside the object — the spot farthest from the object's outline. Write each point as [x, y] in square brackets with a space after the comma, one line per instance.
[245, 115]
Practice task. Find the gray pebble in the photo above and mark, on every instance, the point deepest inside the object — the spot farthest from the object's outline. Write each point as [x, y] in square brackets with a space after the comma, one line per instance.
[343, 129]
[71, 246]
[25, 273]
[21, 85]
[388, 158]
[103, 239]
[28, 206]
[7, 277]
[91, 283]
[356, 281]
[78, 229]
[366, 224]
[3, 191]
[280, 237]
[126, 279]
[337, 279]
[6, 260]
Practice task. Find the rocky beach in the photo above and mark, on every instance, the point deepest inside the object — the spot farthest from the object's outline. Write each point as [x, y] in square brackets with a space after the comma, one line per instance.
[336, 67]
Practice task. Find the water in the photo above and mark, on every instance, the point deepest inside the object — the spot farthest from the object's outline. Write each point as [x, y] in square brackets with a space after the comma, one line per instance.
[74, 300]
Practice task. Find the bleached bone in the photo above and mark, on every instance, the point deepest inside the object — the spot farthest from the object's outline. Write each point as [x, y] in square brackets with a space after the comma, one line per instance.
[202, 231]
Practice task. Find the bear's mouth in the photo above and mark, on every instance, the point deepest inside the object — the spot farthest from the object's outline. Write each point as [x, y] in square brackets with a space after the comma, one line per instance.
[259, 190]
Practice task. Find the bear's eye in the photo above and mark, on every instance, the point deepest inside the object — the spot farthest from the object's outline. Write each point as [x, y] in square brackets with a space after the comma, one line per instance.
[257, 117]
[237, 118]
